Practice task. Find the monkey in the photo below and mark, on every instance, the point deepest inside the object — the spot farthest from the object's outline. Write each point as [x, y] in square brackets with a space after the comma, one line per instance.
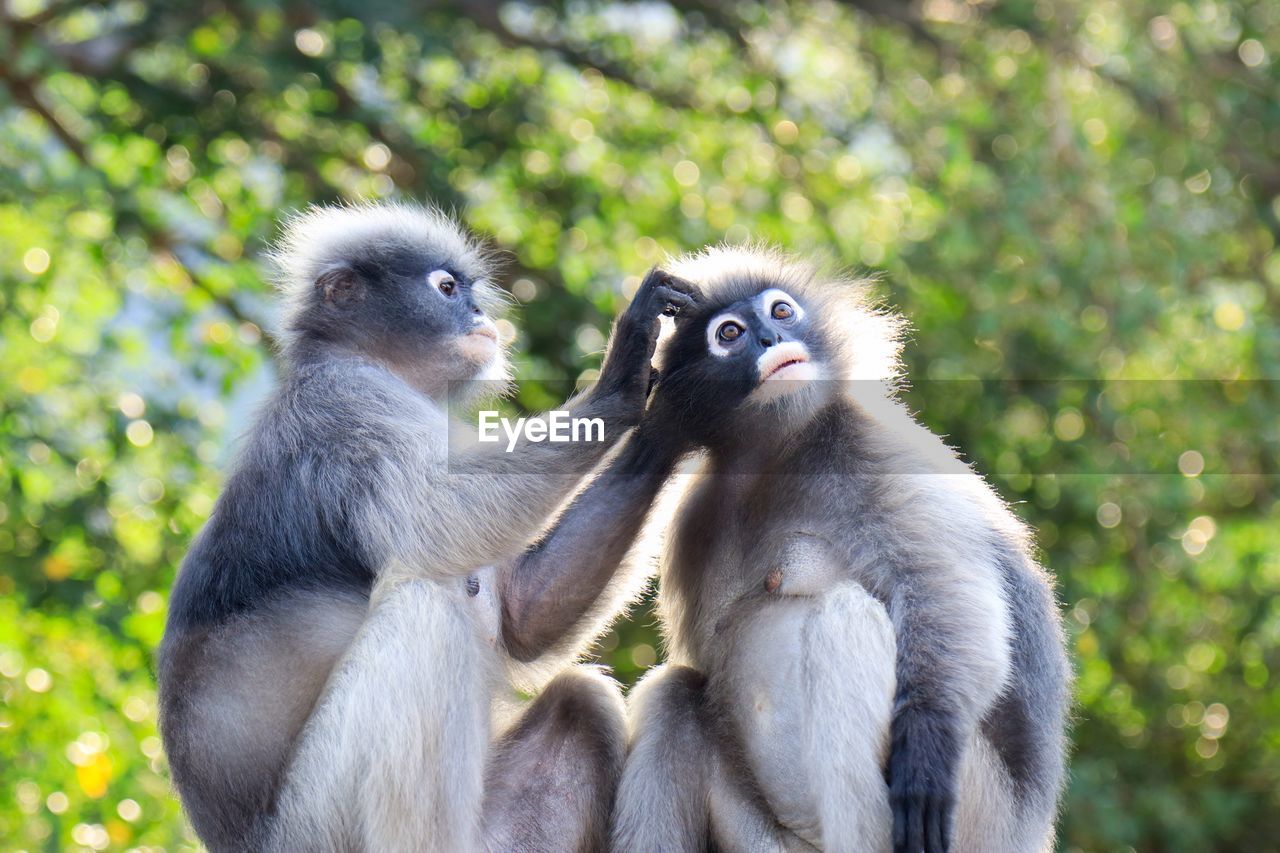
[863, 653]
[343, 630]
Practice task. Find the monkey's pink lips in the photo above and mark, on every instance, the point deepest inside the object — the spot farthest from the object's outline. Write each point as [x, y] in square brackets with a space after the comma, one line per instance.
[786, 361]
[784, 370]
[479, 345]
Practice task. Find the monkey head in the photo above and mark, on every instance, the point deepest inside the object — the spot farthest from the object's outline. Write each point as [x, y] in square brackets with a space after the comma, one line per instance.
[767, 344]
[402, 284]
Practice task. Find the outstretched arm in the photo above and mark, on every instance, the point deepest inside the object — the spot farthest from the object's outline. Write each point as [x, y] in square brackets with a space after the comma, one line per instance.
[546, 590]
[463, 508]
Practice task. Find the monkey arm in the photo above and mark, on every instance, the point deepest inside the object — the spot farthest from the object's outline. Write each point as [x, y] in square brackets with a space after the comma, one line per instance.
[463, 507]
[443, 512]
[553, 584]
[952, 663]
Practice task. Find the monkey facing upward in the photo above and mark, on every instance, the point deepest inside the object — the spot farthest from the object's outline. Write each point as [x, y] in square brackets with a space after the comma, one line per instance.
[333, 650]
[864, 655]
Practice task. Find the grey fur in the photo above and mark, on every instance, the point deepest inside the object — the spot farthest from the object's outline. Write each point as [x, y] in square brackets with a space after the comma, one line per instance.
[880, 650]
[335, 648]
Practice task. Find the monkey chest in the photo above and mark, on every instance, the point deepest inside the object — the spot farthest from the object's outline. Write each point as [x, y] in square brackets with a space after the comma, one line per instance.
[805, 659]
[768, 691]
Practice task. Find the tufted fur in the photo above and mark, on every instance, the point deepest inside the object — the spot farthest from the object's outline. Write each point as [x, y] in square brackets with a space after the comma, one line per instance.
[860, 603]
[339, 631]
[314, 240]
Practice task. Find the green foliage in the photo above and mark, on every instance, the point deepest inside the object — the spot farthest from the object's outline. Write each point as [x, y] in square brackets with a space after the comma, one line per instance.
[1075, 204]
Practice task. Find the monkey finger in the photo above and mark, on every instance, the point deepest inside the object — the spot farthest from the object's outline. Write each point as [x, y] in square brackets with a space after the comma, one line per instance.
[652, 279]
[672, 299]
[684, 286]
[936, 829]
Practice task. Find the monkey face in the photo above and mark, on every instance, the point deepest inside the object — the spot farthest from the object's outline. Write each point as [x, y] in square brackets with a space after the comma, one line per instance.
[766, 333]
[741, 362]
[419, 310]
[432, 324]
[475, 335]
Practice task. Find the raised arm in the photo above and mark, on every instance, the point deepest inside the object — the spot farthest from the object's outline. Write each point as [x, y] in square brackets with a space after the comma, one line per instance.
[552, 585]
[463, 508]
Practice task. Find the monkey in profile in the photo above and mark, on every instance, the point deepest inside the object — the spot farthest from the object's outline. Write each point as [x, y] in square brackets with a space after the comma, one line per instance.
[863, 653]
[343, 627]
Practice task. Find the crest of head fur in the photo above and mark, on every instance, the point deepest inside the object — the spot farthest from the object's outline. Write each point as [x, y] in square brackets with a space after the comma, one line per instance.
[865, 340]
[322, 236]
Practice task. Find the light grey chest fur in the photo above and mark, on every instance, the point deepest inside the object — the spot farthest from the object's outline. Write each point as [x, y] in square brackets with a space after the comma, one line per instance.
[760, 599]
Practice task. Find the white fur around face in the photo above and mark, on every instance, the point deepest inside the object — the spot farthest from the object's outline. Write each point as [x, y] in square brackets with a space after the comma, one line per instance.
[323, 235]
[871, 336]
[787, 360]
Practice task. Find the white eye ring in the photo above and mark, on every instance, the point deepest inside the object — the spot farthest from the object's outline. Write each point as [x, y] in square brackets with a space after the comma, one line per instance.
[443, 281]
[714, 344]
[773, 296]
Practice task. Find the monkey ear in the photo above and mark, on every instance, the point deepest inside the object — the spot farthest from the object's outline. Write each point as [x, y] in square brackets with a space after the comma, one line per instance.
[340, 285]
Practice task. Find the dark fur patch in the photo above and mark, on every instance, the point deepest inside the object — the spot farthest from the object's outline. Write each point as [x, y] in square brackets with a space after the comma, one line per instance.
[553, 777]
[1025, 726]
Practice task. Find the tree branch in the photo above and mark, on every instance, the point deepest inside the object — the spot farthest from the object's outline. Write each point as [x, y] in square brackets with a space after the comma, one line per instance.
[25, 94]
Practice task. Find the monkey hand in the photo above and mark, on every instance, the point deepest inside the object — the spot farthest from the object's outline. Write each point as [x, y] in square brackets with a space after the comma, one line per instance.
[921, 776]
[626, 375]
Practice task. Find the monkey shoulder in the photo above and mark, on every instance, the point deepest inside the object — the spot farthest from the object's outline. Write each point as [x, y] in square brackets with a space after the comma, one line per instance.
[354, 408]
[286, 518]
[903, 495]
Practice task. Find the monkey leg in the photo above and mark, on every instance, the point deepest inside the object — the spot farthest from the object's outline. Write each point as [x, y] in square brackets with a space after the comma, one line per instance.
[234, 698]
[551, 778]
[393, 757]
[849, 653]
[848, 682]
[989, 817]
[678, 792]
[662, 799]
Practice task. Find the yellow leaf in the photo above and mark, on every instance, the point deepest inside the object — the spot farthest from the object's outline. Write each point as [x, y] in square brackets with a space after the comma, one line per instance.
[94, 776]
[57, 568]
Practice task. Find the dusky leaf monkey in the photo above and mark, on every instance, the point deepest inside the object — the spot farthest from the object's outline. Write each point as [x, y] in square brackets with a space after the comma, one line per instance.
[343, 626]
[863, 652]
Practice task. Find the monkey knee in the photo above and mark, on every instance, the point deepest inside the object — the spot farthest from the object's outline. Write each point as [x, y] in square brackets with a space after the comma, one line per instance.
[587, 692]
[584, 707]
[670, 684]
[554, 775]
[669, 699]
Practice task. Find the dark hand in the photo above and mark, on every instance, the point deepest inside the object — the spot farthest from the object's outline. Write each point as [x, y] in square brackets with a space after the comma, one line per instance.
[923, 762]
[627, 370]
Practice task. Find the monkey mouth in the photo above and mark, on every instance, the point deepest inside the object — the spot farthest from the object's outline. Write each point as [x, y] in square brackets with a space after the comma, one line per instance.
[786, 361]
[479, 345]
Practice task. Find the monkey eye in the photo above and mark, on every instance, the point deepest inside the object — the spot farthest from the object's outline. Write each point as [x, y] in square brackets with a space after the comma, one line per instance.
[443, 281]
[729, 331]
[782, 311]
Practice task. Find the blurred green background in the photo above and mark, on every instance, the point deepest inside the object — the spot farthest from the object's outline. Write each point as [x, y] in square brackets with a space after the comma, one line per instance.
[1076, 203]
